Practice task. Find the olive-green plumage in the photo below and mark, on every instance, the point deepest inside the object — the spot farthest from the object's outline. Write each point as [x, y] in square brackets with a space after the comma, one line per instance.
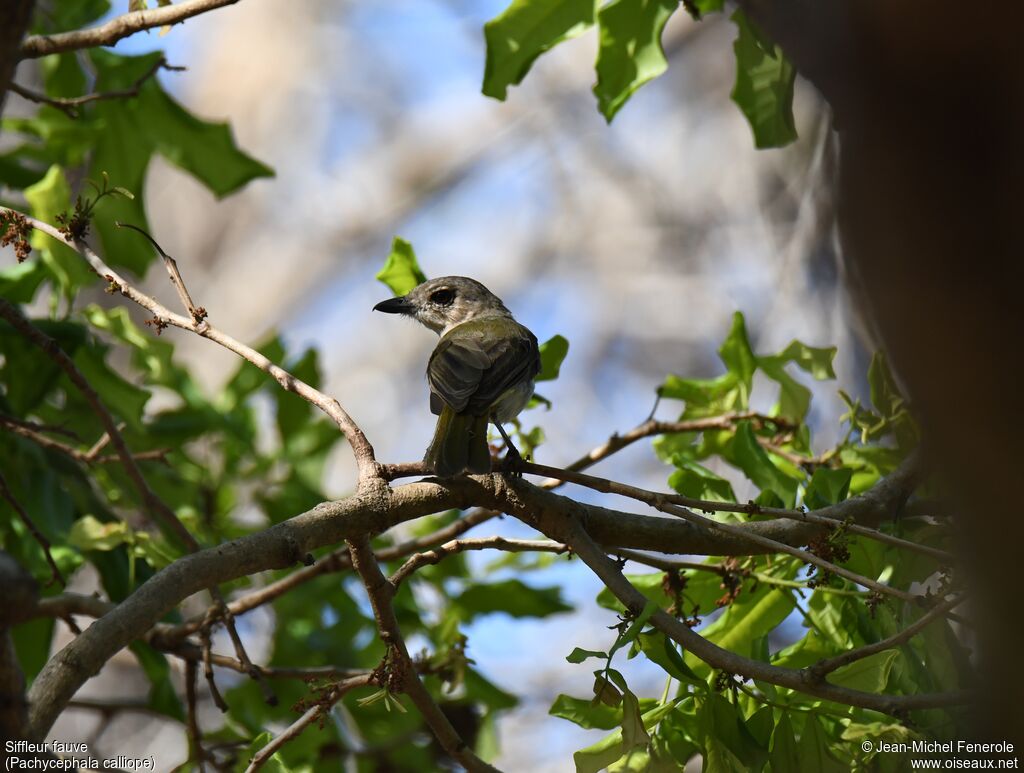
[482, 369]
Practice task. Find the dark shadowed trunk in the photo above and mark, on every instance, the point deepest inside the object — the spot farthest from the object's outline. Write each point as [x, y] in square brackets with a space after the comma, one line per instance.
[928, 99]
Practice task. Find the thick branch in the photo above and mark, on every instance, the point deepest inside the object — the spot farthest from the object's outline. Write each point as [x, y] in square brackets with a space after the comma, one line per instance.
[375, 511]
[560, 527]
[114, 30]
[20, 592]
[275, 548]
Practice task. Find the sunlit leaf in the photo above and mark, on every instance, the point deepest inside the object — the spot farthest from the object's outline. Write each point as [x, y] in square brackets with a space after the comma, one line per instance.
[764, 86]
[525, 30]
[630, 51]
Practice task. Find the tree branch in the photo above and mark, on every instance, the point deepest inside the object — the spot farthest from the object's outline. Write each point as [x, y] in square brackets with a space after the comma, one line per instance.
[559, 526]
[25, 430]
[369, 470]
[381, 593]
[663, 502]
[309, 717]
[441, 552]
[15, 17]
[156, 505]
[824, 667]
[20, 594]
[114, 30]
[70, 105]
[374, 511]
[37, 535]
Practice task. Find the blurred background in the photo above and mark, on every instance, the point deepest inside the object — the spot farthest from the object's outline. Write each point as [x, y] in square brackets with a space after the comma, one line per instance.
[635, 241]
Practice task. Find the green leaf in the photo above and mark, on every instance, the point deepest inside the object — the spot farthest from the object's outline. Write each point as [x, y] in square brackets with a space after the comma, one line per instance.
[660, 650]
[728, 740]
[69, 16]
[783, 754]
[699, 8]
[738, 356]
[32, 641]
[48, 198]
[885, 394]
[513, 597]
[635, 627]
[764, 86]
[162, 697]
[694, 480]
[748, 455]
[132, 130]
[88, 533]
[651, 585]
[122, 398]
[18, 283]
[552, 353]
[586, 713]
[794, 397]
[753, 615]
[524, 31]
[870, 674]
[827, 487]
[606, 751]
[630, 54]
[578, 655]
[401, 270]
[814, 749]
[150, 355]
[204, 149]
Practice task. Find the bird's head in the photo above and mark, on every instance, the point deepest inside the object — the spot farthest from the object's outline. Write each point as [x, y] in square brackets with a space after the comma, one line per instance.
[443, 303]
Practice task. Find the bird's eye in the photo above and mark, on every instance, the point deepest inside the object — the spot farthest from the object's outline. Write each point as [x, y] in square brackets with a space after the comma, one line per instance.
[443, 297]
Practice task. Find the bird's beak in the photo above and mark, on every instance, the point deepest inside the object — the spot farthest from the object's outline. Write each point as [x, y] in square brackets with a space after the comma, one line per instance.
[395, 306]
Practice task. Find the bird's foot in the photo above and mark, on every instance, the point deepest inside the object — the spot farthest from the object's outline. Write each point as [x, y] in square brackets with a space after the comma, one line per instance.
[512, 464]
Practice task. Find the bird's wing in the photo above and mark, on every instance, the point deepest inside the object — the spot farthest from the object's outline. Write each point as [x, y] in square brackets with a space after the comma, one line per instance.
[471, 371]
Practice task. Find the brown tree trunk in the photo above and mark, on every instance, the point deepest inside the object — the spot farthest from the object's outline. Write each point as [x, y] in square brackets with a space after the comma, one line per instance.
[15, 16]
[928, 99]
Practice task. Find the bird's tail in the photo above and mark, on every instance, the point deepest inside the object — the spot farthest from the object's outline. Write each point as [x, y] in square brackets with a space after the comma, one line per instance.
[459, 445]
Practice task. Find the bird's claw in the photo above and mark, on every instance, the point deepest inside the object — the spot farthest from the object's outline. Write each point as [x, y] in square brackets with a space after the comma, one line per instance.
[512, 464]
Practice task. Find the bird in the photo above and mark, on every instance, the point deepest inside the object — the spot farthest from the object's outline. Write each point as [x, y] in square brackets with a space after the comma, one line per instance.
[482, 370]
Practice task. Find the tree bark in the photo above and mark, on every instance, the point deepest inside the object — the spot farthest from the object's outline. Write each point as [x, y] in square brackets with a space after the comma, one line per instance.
[928, 100]
[15, 16]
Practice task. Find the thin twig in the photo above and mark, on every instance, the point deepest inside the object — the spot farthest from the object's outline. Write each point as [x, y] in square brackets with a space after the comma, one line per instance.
[198, 314]
[204, 643]
[441, 552]
[25, 430]
[156, 505]
[37, 535]
[308, 717]
[367, 465]
[195, 736]
[120, 27]
[824, 667]
[70, 105]
[37, 427]
[671, 565]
